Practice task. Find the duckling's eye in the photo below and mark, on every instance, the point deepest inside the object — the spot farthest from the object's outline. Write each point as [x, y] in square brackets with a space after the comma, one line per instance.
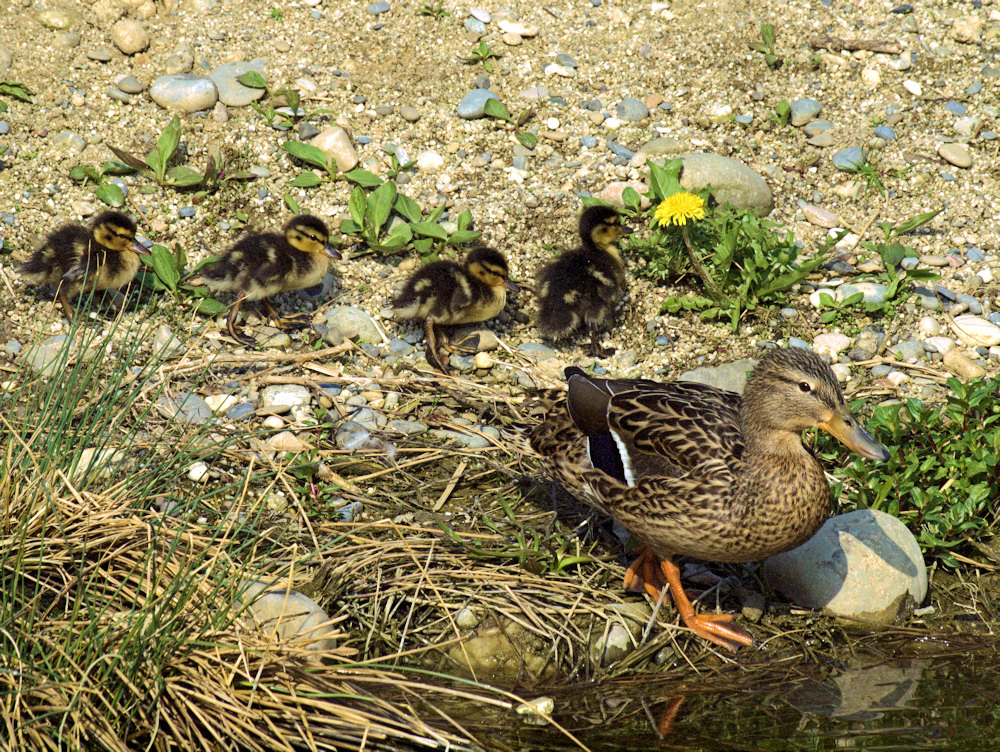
[805, 386]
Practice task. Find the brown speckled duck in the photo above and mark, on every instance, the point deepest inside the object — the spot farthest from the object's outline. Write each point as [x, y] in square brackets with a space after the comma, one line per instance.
[104, 256]
[580, 289]
[444, 292]
[692, 470]
[264, 264]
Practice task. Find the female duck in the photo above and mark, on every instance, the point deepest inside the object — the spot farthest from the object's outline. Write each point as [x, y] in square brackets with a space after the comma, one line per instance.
[104, 256]
[444, 292]
[581, 288]
[264, 264]
[696, 471]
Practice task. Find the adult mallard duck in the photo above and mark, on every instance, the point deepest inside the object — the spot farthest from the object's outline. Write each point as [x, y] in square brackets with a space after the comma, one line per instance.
[580, 288]
[264, 264]
[692, 470]
[104, 256]
[444, 292]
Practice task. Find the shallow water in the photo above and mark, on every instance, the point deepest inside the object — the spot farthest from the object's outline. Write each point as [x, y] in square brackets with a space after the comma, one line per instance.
[940, 701]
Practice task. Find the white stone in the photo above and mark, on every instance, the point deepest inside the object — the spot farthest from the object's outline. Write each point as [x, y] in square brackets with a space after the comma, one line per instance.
[985, 275]
[520, 28]
[814, 297]
[552, 124]
[198, 472]
[974, 331]
[962, 366]
[99, 463]
[913, 87]
[531, 709]
[831, 343]
[429, 161]
[483, 360]
[286, 441]
[870, 77]
[336, 144]
[967, 29]
[221, 402]
[929, 326]
[288, 615]
[280, 398]
[942, 344]
[859, 565]
[273, 422]
[129, 37]
[554, 69]
[612, 123]
[896, 378]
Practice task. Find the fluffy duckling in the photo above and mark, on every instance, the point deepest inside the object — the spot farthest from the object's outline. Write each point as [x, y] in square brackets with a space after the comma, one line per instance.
[264, 264]
[104, 256]
[580, 288]
[444, 292]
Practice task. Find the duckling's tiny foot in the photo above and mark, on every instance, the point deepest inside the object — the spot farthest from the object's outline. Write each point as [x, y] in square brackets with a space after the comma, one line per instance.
[295, 321]
[467, 345]
[596, 351]
[242, 337]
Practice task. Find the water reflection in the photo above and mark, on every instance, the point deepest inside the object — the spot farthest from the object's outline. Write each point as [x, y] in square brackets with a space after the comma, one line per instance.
[922, 703]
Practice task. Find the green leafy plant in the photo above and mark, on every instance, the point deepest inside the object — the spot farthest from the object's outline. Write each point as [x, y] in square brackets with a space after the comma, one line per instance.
[482, 53]
[14, 91]
[496, 109]
[315, 156]
[782, 113]
[167, 273]
[431, 237]
[766, 47]
[277, 14]
[370, 216]
[942, 473]
[741, 260]
[270, 108]
[434, 9]
[155, 166]
[107, 192]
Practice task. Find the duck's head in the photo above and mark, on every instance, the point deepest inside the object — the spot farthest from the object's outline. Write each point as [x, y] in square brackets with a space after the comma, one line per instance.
[116, 231]
[792, 389]
[601, 226]
[489, 266]
[308, 234]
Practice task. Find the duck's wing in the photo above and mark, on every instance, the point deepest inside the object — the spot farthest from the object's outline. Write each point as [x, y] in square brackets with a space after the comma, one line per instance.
[641, 429]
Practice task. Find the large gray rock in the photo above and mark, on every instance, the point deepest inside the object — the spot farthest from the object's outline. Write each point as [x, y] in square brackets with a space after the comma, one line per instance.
[732, 182]
[730, 376]
[859, 566]
[184, 92]
[231, 92]
[354, 322]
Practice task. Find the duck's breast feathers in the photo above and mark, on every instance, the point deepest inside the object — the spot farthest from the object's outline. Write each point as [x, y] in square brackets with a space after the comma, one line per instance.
[103, 270]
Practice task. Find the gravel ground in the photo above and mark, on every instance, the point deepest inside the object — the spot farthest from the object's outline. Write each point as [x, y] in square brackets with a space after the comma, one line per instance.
[371, 65]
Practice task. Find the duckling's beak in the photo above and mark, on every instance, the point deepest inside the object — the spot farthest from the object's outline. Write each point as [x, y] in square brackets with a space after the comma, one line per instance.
[139, 248]
[511, 286]
[332, 252]
[626, 230]
[846, 429]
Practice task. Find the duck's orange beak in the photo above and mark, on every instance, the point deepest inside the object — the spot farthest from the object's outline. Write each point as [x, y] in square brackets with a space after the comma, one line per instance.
[846, 429]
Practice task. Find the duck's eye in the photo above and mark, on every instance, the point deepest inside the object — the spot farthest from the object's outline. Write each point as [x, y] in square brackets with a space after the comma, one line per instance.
[805, 386]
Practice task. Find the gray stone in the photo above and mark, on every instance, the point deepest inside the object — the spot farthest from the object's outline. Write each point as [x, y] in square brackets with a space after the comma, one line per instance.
[732, 182]
[354, 323]
[377, 8]
[632, 111]
[801, 111]
[185, 92]
[540, 351]
[187, 407]
[885, 132]
[350, 512]
[101, 54]
[860, 566]
[956, 154]
[473, 104]
[467, 440]
[480, 14]
[848, 159]
[908, 350]
[131, 85]
[872, 292]
[231, 92]
[408, 427]
[730, 376]
[815, 127]
[475, 27]
[409, 114]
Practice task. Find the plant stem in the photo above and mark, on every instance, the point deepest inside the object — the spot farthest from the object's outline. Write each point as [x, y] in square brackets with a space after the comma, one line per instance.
[706, 280]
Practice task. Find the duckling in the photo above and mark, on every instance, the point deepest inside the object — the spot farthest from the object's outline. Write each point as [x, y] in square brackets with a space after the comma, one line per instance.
[264, 264]
[580, 288]
[444, 292]
[104, 256]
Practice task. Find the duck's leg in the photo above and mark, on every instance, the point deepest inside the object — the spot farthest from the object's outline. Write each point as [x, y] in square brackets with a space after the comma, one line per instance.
[432, 347]
[595, 350]
[238, 334]
[64, 301]
[295, 321]
[718, 628]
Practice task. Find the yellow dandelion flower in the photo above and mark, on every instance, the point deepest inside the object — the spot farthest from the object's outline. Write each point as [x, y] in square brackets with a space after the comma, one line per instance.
[679, 208]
